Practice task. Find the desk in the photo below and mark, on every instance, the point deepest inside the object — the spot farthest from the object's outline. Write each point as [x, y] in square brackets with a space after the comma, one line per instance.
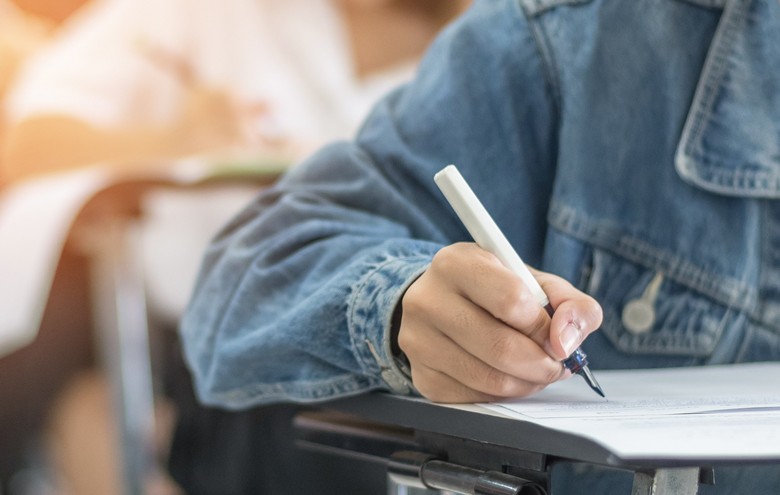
[99, 211]
[108, 231]
[476, 452]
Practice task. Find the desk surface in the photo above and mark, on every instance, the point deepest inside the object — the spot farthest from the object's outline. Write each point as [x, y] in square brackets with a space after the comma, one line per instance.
[472, 423]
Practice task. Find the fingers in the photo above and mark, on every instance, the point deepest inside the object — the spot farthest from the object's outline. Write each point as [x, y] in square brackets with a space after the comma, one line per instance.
[457, 376]
[480, 277]
[472, 331]
[467, 344]
[439, 387]
[492, 341]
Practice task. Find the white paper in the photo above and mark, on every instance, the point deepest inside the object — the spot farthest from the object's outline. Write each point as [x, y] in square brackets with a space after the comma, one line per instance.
[715, 412]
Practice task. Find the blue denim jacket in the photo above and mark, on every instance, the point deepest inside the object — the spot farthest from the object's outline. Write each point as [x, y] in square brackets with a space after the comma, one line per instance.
[632, 147]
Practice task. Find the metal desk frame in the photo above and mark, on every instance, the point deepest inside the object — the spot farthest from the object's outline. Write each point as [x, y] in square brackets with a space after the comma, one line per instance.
[428, 447]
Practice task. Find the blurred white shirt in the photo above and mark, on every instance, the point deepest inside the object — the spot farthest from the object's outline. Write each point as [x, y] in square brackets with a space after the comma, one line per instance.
[20, 35]
[121, 62]
[132, 62]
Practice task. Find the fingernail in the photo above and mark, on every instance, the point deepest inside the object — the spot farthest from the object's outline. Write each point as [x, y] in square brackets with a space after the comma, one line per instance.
[570, 338]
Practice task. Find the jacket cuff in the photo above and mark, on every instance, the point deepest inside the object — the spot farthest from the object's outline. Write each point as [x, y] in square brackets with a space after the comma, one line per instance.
[371, 319]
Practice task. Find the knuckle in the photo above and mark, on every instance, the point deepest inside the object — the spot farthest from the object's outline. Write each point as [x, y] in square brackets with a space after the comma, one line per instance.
[523, 296]
[509, 301]
[445, 259]
[531, 389]
[502, 347]
[552, 375]
[405, 341]
[518, 306]
[412, 301]
[409, 343]
[539, 328]
[498, 383]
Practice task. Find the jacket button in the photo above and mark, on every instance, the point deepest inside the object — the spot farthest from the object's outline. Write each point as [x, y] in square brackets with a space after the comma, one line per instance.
[638, 316]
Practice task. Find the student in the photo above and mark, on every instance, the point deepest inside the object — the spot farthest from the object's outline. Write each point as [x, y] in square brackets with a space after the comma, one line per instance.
[132, 81]
[252, 80]
[627, 149]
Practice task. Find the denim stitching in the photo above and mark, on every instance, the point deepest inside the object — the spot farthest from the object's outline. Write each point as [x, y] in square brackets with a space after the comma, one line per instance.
[710, 4]
[363, 354]
[536, 7]
[752, 182]
[713, 73]
[302, 391]
[547, 57]
[727, 290]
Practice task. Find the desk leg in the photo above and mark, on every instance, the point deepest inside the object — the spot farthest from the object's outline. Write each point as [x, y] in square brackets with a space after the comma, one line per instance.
[122, 327]
[667, 481]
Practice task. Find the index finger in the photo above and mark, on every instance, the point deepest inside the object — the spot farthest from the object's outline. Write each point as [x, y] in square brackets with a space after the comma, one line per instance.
[485, 281]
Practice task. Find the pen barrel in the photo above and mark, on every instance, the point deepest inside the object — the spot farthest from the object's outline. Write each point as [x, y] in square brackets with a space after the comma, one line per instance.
[483, 228]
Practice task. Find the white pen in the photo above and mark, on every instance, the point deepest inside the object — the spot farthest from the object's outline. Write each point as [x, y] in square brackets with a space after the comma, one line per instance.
[489, 237]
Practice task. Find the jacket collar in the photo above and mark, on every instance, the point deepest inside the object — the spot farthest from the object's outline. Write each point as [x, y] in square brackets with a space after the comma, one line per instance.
[731, 138]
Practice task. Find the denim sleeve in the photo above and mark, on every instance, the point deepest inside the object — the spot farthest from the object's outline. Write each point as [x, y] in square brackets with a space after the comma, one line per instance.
[296, 295]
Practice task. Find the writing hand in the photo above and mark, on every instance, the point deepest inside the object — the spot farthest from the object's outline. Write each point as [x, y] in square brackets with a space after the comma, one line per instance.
[473, 332]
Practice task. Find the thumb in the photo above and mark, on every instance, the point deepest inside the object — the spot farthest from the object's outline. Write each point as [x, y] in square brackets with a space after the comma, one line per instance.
[575, 315]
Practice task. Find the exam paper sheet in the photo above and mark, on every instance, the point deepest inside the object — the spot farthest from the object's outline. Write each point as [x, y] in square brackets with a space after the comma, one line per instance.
[727, 412]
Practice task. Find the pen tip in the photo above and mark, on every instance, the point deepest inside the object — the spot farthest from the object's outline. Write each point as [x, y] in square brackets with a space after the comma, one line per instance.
[591, 380]
[596, 387]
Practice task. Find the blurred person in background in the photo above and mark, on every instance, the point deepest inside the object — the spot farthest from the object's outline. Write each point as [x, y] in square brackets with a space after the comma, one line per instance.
[26, 388]
[147, 79]
[138, 82]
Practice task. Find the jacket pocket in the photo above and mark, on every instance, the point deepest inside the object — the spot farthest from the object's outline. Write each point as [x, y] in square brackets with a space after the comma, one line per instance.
[646, 311]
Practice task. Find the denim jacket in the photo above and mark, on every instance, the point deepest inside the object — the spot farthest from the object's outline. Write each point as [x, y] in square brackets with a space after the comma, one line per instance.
[632, 147]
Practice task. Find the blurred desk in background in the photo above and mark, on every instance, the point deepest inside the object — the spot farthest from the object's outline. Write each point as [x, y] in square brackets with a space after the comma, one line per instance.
[103, 213]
